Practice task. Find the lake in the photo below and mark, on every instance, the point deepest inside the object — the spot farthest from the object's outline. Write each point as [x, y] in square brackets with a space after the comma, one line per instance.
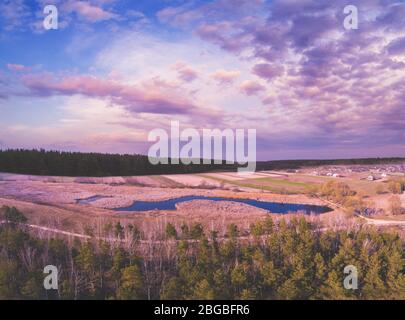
[274, 207]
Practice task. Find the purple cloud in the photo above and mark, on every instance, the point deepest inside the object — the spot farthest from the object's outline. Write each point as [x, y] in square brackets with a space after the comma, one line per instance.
[150, 98]
[268, 71]
[225, 77]
[185, 72]
[251, 88]
[397, 46]
[345, 81]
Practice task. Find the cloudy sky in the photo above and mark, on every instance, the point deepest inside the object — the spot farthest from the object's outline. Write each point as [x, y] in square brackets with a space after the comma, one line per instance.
[114, 70]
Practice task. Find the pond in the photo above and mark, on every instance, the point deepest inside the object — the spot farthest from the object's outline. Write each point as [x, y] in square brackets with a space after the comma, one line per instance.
[273, 207]
[90, 199]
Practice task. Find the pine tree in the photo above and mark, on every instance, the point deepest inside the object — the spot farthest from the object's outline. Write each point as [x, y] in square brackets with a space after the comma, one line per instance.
[171, 231]
[9, 280]
[203, 291]
[131, 286]
[395, 275]
[333, 288]
[374, 287]
[320, 272]
[172, 289]
[222, 284]
[33, 287]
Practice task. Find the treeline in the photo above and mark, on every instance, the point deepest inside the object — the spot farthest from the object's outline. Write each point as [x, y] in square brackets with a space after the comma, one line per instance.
[287, 260]
[56, 163]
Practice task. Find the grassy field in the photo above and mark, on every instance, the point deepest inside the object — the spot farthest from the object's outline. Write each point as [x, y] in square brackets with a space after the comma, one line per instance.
[354, 182]
[276, 185]
[302, 183]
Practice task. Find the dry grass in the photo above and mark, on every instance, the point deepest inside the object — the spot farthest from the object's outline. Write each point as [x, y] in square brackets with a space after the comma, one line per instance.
[51, 201]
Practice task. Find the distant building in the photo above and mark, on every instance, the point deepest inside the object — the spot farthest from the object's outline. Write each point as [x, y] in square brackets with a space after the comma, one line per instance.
[336, 175]
[370, 178]
[383, 175]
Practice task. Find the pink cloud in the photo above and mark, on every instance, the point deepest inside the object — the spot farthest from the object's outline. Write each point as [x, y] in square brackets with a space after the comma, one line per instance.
[225, 77]
[88, 11]
[268, 71]
[178, 16]
[251, 87]
[223, 35]
[190, 13]
[186, 73]
[150, 97]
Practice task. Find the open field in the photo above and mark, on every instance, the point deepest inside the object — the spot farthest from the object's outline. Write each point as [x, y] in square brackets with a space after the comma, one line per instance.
[302, 182]
[54, 200]
[55, 203]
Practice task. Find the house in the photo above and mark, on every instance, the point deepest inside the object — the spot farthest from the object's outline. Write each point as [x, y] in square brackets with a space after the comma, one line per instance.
[336, 175]
[370, 178]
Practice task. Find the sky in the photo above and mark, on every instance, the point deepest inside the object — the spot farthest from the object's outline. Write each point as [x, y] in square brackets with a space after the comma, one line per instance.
[115, 70]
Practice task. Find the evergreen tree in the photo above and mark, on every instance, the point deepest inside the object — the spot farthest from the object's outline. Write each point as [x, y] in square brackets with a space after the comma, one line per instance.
[131, 287]
[203, 291]
[171, 231]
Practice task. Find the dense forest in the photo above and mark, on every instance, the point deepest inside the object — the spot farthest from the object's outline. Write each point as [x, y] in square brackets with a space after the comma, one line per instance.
[56, 163]
[41, 162]
[284, 260]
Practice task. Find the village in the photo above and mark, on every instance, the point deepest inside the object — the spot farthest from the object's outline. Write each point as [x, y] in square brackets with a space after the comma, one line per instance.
[371, 173]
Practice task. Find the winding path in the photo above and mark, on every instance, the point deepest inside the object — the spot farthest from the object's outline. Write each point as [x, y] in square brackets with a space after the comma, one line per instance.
[381, 222]
[376, 222]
